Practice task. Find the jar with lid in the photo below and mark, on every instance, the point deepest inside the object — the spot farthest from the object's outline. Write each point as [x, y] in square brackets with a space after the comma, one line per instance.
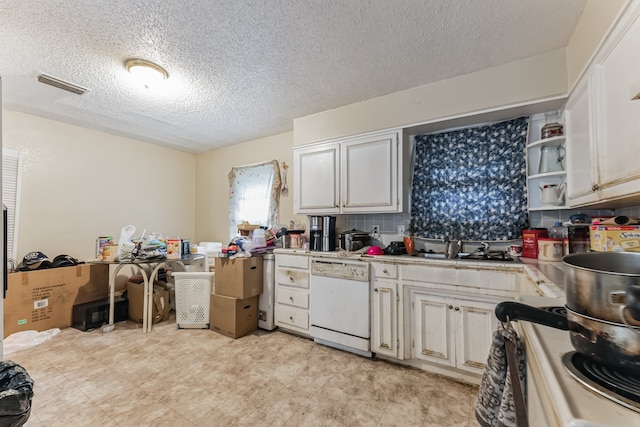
[558, 231]
[552, 127]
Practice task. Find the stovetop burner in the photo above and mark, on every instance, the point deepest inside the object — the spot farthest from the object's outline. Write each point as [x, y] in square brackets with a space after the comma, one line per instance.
[609, 383]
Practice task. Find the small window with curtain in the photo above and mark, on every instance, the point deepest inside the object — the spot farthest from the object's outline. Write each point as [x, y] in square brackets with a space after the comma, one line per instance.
[254, 195]
[470, 183]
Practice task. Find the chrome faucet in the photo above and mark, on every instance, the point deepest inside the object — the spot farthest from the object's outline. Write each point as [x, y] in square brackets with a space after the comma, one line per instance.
[485, 248]
[452, 249]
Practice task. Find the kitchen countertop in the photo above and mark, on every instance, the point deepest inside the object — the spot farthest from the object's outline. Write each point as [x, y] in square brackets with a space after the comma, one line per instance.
[548, 275]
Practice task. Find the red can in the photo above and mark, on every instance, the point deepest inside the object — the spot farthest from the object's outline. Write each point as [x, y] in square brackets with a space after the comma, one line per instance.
[530, 238]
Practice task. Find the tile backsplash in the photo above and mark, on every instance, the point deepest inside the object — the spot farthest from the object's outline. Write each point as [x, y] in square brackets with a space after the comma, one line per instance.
[389, 222]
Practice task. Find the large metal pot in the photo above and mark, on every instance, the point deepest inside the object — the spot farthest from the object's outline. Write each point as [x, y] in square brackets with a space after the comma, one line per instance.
[604, 285]
[612, 344]
[603, 308]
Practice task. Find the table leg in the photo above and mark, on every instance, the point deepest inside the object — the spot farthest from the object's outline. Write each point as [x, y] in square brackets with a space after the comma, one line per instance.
[149, 303]
[112, 291]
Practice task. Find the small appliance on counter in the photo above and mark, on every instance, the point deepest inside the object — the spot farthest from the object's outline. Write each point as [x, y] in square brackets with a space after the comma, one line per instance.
[322, 233]
[353, 240]
[395, 248]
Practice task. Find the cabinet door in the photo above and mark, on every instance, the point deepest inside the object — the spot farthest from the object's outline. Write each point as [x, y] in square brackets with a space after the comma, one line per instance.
[582, 177]
[432, 332]
[475, 324]
[619, 114]
[384, 318]
[369, 174]
[316, 178]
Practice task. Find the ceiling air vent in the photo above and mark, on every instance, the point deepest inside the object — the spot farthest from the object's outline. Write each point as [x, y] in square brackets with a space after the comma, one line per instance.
[61, 84]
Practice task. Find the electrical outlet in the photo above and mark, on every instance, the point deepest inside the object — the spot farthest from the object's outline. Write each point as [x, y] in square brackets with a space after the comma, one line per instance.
[376, 231]
[401, 229]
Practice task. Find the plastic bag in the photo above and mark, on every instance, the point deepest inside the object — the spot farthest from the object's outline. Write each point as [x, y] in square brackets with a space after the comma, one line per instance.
[16, 391]
[125, 245]
[25, 340]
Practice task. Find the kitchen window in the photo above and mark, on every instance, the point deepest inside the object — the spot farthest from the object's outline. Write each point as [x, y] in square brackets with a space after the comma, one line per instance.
[254, 195]
[470, 183]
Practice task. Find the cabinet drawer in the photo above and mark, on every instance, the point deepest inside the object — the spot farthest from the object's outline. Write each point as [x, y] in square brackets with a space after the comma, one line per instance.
[292, 261]
[291, 277]
[292, 316]
[293, 297]
[384, 270]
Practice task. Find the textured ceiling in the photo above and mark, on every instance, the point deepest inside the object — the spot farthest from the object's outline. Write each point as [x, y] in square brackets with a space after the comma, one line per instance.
[244, 69]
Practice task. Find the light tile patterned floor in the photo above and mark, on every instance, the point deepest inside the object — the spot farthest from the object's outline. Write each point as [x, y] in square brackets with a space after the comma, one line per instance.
[177, 378]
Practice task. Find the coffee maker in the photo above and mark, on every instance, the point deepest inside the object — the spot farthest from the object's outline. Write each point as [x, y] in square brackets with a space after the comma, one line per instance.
[322, 233]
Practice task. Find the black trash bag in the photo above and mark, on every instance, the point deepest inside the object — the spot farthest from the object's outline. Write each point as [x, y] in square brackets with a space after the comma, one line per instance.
[16, 391]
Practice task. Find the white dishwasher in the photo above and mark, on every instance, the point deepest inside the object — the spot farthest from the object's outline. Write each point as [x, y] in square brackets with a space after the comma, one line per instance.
[339, 305]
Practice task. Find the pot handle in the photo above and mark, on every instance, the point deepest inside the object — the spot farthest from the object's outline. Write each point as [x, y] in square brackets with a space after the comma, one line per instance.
[509, 311]
[632, 305]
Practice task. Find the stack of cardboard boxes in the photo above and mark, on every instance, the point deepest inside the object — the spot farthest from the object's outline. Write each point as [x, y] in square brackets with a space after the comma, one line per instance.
[234, 301]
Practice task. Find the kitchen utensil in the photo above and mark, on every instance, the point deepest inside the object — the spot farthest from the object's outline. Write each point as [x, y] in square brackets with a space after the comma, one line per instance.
[551, 159]
[375, 250]
[612, 344]
[552, 194]
[603, 307]
[551, 129]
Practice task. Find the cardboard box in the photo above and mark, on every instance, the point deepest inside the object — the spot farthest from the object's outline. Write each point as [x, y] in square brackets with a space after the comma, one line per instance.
[135, 295]
[233, 317]
[44, 299]
[92, 315]
[616, 238]
[239, 277]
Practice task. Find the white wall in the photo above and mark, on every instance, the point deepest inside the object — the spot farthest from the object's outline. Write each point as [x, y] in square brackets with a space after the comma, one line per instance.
[212, 194]
[518, 82]
[79, 184]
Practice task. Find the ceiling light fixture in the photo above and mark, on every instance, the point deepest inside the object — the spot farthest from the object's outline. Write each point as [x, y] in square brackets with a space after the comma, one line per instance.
[146, 72]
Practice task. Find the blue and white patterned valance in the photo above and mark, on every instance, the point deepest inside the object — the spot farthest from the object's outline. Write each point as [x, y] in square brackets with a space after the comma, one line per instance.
[470, 184]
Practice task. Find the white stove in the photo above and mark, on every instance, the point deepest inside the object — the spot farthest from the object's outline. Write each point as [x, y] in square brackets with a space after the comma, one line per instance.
[554, 396]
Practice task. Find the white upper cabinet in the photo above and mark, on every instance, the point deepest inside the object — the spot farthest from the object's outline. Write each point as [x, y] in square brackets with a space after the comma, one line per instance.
[603, 120]
[316, 172]
[361, 174]
[582, 169]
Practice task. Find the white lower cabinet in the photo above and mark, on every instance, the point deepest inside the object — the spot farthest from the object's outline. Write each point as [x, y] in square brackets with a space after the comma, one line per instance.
[452, 331]
[292, 293]
[384, 315]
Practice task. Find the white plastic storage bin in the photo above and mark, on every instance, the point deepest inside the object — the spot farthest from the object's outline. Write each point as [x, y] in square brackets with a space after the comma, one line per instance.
[193, 290]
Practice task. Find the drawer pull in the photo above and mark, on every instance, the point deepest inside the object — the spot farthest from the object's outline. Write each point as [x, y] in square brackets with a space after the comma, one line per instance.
[375, 289]
[291, 318]
[385, 271]
[450, 307]
[457, 308]
[291, 279]
[291, 299]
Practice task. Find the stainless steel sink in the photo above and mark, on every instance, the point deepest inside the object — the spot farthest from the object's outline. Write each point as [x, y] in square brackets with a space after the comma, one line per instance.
[432, 255]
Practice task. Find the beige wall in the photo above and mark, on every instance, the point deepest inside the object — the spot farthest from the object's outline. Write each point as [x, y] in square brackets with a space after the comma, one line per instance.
[595, 21]
[79, 184]
[212, 189]
[518, 82]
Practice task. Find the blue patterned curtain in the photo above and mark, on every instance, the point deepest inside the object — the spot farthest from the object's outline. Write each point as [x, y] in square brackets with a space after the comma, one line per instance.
[470, 184]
